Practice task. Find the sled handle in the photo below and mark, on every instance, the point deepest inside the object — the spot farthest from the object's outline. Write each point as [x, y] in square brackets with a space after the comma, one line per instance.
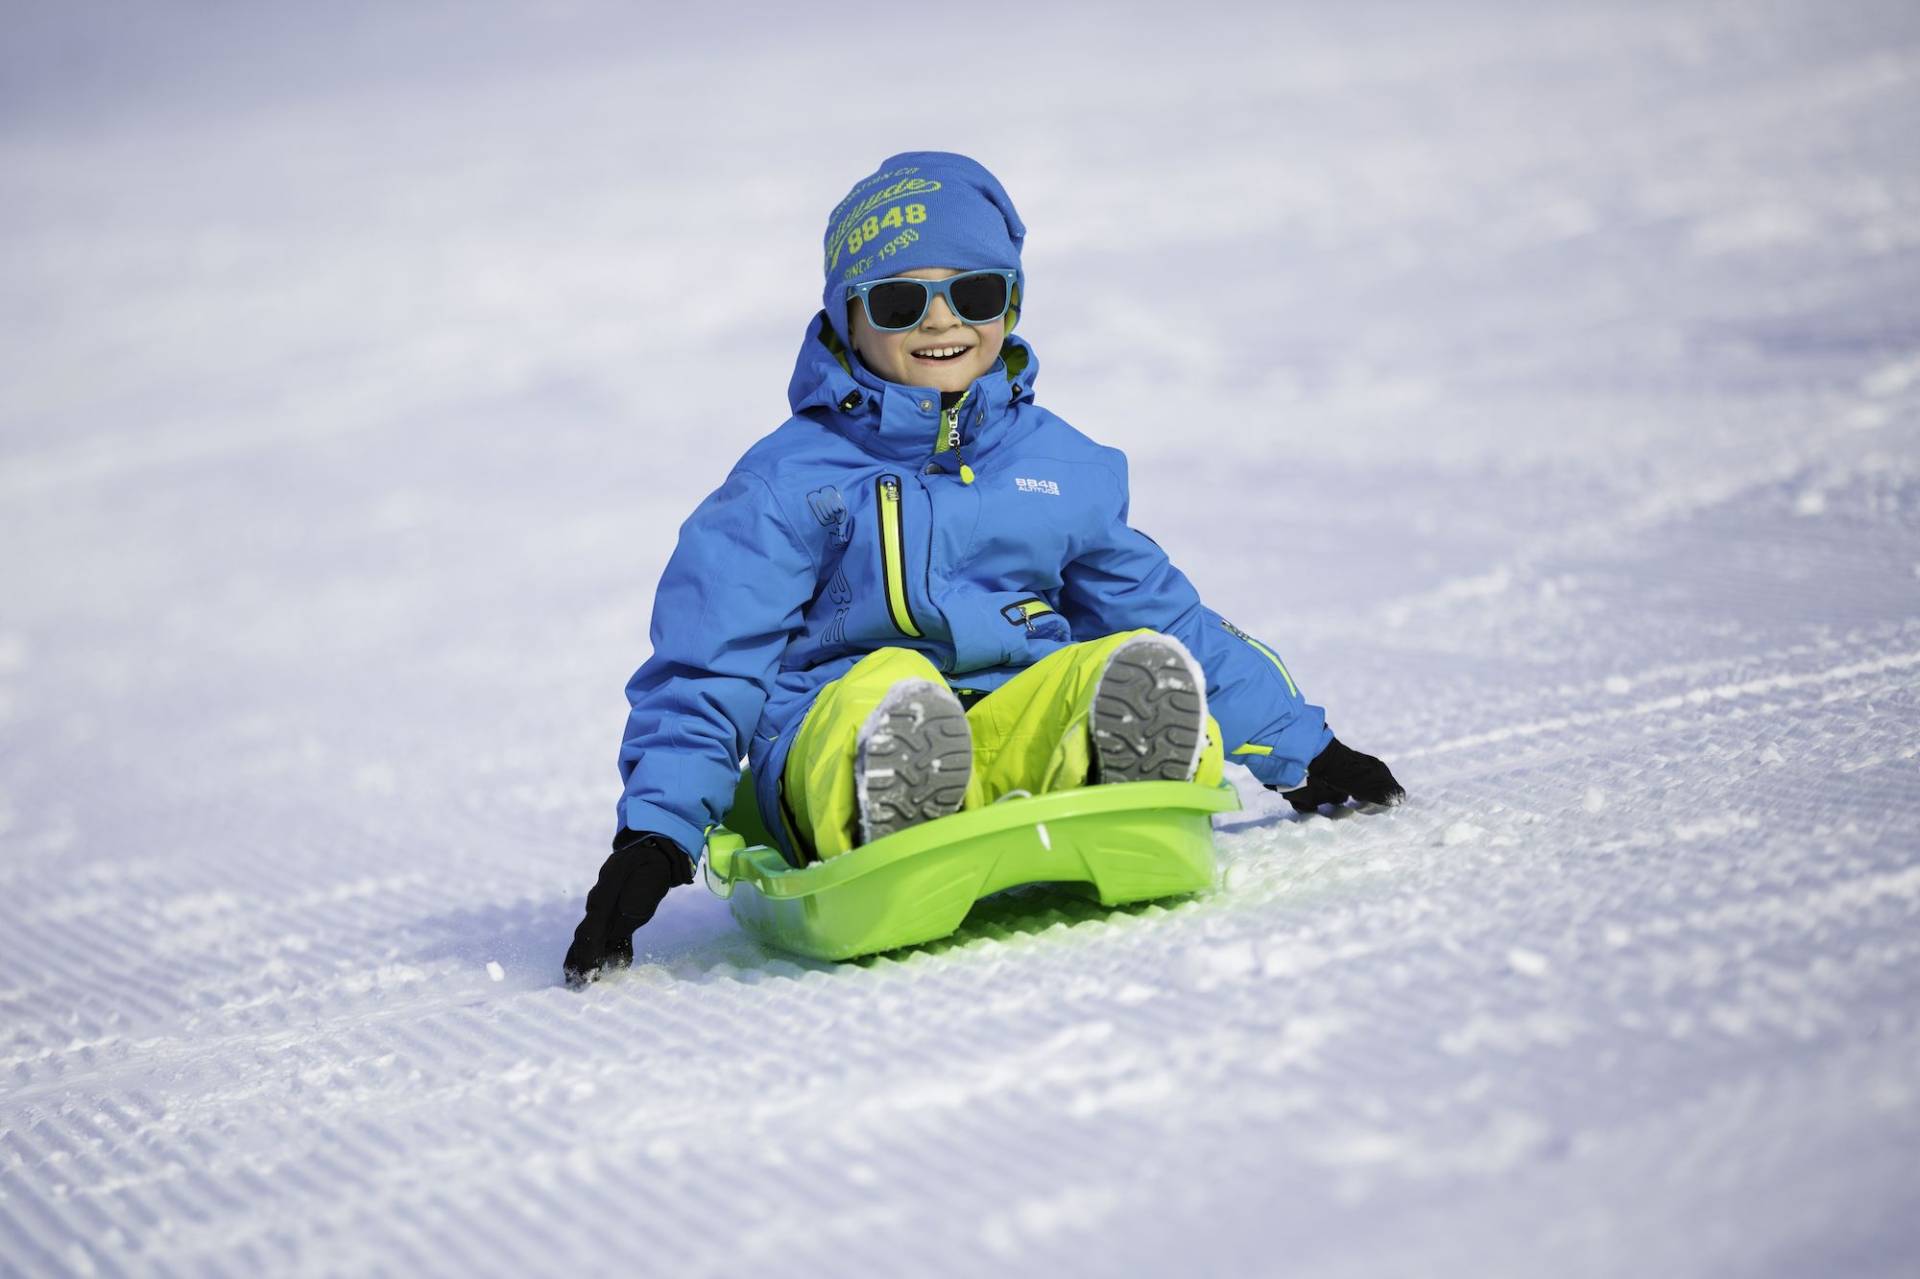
[718, 864]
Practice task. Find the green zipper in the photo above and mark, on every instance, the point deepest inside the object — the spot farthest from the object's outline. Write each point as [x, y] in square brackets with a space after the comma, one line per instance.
[893, 556]
[1277, 664]
[1264, 651]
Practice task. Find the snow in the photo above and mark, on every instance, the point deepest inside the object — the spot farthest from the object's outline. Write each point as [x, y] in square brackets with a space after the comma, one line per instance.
[1542, 382]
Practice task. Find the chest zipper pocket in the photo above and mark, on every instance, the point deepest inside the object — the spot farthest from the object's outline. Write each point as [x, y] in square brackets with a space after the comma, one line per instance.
[1023, 612]
[893, 556]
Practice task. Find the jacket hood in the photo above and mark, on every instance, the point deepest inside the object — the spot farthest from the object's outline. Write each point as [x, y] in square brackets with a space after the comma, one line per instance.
[891, 420]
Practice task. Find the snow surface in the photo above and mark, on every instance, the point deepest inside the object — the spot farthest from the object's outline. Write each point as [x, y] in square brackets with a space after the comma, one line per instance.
[1543, 382]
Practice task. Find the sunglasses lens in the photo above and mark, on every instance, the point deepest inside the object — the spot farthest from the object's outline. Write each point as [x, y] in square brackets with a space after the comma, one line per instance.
[897, 304]
[980, 299]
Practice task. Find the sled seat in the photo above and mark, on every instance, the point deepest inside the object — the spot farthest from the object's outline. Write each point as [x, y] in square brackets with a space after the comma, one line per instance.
[1119, 843]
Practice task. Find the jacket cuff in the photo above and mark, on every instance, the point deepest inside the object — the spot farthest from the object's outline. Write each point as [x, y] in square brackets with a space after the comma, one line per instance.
[1301, 743]
[640, 814]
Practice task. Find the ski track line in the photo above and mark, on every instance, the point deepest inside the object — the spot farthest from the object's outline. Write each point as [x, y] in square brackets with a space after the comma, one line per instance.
[1693, 1142]
[1651, 511]
[179, 1054]
[1672, 702]
[1694, 671]
[1540, 761]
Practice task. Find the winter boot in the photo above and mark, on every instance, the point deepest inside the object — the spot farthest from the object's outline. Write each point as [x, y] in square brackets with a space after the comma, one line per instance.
[912, 759]
[1149, 717]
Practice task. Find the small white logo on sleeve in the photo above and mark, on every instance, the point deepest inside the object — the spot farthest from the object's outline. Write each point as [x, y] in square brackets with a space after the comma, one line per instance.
[1051, 487]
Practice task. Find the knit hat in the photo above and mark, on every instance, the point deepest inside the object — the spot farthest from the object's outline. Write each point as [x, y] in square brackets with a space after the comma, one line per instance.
[919, 209]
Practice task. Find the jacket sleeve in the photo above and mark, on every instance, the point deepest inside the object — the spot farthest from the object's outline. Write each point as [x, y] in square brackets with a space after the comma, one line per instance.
[732, 595]
[1122, 581]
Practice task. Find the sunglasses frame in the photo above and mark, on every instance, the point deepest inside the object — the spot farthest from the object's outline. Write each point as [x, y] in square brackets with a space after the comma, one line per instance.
[942, 289]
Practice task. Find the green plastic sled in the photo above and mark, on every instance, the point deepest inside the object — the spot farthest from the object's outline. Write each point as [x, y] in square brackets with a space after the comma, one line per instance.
[1122, 843]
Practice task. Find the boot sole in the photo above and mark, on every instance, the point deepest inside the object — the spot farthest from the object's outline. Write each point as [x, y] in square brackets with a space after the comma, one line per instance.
[913, 761]
[1149, 713]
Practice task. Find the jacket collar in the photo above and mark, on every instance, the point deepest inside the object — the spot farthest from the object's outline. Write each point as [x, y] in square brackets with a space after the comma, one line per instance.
[902, 422]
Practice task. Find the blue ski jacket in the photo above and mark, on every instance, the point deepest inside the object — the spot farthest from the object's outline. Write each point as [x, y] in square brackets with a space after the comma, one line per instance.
[847, 530]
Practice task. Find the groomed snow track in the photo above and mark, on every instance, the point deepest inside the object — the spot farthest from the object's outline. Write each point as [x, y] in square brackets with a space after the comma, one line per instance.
[1544, 385]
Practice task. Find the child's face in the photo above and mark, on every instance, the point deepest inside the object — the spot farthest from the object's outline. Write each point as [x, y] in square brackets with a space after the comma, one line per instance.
[943, 352]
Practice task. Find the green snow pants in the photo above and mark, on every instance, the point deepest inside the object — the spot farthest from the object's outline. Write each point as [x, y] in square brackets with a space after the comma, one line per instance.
[1029, 735]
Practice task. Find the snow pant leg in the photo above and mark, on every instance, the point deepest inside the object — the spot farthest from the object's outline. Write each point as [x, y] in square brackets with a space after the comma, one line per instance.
[819, 770]
[1031, 733]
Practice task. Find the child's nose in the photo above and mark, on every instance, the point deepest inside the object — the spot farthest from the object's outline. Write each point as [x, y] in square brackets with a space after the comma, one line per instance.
[939, 314]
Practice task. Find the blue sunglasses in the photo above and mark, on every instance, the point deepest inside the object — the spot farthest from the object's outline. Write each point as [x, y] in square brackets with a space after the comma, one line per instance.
[896, 303]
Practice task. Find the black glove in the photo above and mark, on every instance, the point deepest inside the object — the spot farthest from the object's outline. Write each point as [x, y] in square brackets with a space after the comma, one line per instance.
[632, 882]
[1338, 774]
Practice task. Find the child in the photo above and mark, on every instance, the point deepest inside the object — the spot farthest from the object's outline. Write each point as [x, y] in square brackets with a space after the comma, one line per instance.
[921, 593]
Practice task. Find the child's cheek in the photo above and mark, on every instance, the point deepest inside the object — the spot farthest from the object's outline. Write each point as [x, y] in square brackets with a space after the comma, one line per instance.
[892, 355]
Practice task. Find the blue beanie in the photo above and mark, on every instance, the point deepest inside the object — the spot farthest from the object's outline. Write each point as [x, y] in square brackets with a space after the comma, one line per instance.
[919, 209]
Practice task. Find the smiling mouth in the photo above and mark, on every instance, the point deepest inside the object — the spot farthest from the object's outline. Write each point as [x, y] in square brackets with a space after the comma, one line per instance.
[940, 354]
